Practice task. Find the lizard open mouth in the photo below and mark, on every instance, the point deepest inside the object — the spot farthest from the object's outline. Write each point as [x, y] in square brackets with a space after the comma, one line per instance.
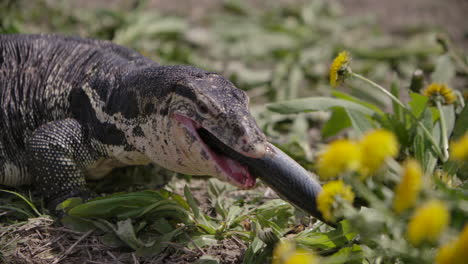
[223, 155]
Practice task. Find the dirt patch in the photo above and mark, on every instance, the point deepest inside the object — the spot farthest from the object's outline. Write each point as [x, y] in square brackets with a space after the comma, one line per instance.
[231, 251]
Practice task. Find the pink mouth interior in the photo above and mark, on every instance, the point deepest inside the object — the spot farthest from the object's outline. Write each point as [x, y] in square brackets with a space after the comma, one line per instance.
[237, 173]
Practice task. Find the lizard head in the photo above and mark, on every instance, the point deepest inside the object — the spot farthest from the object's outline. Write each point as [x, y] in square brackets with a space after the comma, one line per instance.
[193, 107]
[201, 125]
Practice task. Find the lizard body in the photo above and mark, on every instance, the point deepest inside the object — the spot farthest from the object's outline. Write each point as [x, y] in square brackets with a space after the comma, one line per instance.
[73, 108]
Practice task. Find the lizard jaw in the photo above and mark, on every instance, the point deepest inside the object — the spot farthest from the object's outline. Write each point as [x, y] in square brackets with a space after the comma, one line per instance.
[232, 170]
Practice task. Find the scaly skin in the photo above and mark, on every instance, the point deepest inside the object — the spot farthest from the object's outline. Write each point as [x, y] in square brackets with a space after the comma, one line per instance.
[72, 109]
[75, 108]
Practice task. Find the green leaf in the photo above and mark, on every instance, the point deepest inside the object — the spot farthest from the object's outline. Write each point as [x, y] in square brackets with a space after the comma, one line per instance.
[448, 111]
[316, 104]
[69, 203]
[31, 205]
[397, 109]
[350, 98]
[112, 240]
[316, 240]
[18, 210]
[338, 121]
[130, 205]
[461, 124]
[159, 244]
[126, 233]
[77, 223]
[351, 255]
[418, 103]
[191, 201]
[444, 70]
[422, 146]
[202, 241]
[162, 226]
[257, 252]
[200, 218]
[360, 122]
[233, 213]
[329, 240]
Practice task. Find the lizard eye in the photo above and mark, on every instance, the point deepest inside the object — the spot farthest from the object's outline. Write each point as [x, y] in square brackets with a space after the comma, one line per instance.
[203, 109]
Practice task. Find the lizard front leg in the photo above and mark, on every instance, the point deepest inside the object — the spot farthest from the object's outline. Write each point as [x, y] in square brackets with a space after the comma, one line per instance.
[58, 153]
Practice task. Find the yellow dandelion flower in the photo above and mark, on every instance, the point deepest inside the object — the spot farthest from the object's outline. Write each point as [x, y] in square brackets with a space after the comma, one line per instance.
[408, 189]
[338, 157]
[428, 222]
[455, 252]
[376, 146]
[282, 251]
[446, 254]
[438, 91]
[302, 256]
[285, 252]
[461, 249]
[327, 198]
[459, 149]
[339, 68]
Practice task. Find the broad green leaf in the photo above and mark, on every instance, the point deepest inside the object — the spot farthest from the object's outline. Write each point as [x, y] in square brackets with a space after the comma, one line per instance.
[316, 104]
[200, 218]
[191, 201]
[162, 226]
[360, 122]
[444, 70]
[461, 124]
[130, 205]
[338, 121]
[449, 114]
[275, 210]
[418, 103]
[180, 200]
[202, 241]
[257, 252]
[398, 111]
[329, 240]
[422, 147]
[69, 203]
[160, 243]
[77, 223]
[233, 213]
[350, 98]
[351, 255]
[112, 240]
[347, 230]
[126, 233]
[316, 240]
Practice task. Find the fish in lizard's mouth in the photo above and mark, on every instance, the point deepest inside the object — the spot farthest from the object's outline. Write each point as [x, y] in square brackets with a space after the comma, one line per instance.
[234, 171]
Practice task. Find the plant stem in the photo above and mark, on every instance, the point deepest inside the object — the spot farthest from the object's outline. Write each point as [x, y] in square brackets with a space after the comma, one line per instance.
[443, 129]
[397, 101]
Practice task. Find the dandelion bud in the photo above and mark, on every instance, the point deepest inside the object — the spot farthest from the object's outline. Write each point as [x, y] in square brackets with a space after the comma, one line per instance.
[417, 81]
